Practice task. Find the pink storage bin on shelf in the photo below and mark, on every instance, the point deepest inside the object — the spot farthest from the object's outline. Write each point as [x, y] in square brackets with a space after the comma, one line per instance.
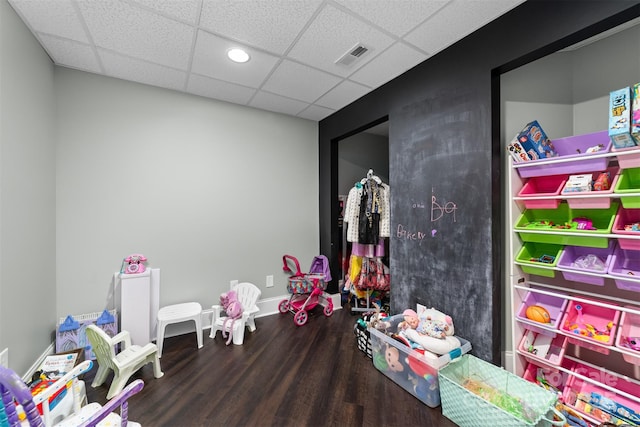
[625, 218]
[547, 377]
[543, 186]
[553, 304]
[625, 264]
[629, 329]
[595, 203]
[572, 147]
[576, 387]
[592, 323]
[627, 161]
[571, 254]
[551, 352]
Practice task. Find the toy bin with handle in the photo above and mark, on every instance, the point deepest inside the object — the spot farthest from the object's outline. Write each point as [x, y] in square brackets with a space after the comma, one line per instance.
[577, 147]
[567, 226]
[416, 371]
[542, 186]
[628, 338]
[543, 349]
[627, 185]
[581, 260]
[589, 322]
[600, 186]
[539, 258]
[553, 304]
[476, 393]
[627, 224]
[625, 265]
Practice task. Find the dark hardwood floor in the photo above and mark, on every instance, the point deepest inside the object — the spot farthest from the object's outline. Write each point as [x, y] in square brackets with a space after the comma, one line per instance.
[283, 375]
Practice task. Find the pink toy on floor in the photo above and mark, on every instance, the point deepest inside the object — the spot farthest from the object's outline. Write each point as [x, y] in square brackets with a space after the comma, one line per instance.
[233, 308]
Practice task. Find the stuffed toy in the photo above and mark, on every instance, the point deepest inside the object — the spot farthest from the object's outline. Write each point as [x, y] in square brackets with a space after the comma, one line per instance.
[233, 308]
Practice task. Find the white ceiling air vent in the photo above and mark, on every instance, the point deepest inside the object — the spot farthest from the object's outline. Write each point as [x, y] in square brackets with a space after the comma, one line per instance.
[352, 55]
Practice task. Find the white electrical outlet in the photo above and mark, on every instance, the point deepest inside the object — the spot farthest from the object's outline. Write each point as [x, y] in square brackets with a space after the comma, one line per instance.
[270, 281]
[233, 284]
[4, 358]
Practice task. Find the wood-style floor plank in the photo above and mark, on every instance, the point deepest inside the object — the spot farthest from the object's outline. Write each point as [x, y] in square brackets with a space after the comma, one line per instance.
[283, 375]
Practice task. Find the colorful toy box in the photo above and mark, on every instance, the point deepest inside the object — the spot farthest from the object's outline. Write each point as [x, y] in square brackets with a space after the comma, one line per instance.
[542, 186]
[580, 260]
[620, 118]
[628, 337]
[535, 142]
[554, 305]
[625, 267]
[414, 371]
[539, 258]
[635, 112]
[517, 151]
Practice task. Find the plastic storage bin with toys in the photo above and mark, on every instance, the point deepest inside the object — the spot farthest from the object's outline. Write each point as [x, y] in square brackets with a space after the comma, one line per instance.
[413, 347]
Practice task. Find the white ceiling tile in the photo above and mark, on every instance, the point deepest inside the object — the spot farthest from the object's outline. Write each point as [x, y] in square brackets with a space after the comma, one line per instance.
[280, 104]
[316, 113]
[388, 65]
[139, 33]
[71, 54]
[52, 17]
[184, 10]
[210, 59]
[271, 25]
[300, 82]
[211, 88]
[455, 21]
[143, 72]
[398, 17]
[332, 34]
[343, 94]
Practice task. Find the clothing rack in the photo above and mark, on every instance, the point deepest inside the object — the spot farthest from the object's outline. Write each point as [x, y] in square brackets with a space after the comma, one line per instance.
[368, 200]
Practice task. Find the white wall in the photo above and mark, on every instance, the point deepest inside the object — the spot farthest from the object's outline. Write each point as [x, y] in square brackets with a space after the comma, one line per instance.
[27, 194]
[208, 191]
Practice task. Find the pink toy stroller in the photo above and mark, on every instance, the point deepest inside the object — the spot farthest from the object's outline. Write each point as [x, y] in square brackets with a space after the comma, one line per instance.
[307, 289]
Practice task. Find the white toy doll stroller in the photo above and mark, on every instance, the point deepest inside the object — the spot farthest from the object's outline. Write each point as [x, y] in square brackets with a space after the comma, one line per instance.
[307, 289]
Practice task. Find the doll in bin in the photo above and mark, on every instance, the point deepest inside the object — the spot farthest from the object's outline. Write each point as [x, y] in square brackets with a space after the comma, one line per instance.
[436, 324]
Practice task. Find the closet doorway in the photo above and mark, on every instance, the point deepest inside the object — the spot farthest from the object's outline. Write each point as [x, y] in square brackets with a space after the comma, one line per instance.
[357, 154]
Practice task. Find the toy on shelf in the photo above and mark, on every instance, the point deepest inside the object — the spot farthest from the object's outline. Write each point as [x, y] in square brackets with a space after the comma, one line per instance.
[631, 342]
[538, 313]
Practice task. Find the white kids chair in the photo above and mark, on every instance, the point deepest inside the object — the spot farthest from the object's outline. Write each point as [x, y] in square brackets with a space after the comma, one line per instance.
[12, 387]
[124, 363]
[248, 295]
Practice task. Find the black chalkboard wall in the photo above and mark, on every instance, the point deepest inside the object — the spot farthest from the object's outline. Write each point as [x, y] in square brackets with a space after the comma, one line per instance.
[444, 170]
[440, 244]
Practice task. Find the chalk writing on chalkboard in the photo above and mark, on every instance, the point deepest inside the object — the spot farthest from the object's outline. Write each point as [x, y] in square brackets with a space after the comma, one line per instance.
[438, 210]
[405, 234]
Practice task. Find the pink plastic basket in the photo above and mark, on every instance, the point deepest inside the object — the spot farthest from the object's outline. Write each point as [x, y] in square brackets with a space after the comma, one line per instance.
[624, 218]
[595, 203]
[543, 186]
[627, 161]
[593, 317]
[629, 328]
[553, 356]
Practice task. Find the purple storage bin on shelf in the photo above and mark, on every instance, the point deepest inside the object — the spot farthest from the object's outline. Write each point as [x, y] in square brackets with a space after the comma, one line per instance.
[625, 264]
[543, 186]
[572, 253]
[553, 304]
[624, 218]
[628, 157]
[595, 203]
[572, 147]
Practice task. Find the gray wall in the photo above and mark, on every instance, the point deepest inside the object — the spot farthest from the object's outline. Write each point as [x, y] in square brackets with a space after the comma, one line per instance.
[27, 193]
[96, 168]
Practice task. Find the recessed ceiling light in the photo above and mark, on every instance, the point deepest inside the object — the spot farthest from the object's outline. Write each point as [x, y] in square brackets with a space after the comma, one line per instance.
[238, 55]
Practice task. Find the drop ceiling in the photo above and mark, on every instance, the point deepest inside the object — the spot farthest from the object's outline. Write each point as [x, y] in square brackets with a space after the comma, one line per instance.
[293, 44]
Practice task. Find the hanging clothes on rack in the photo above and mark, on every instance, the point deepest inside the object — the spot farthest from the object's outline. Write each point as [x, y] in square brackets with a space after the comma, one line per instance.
[368, 224]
